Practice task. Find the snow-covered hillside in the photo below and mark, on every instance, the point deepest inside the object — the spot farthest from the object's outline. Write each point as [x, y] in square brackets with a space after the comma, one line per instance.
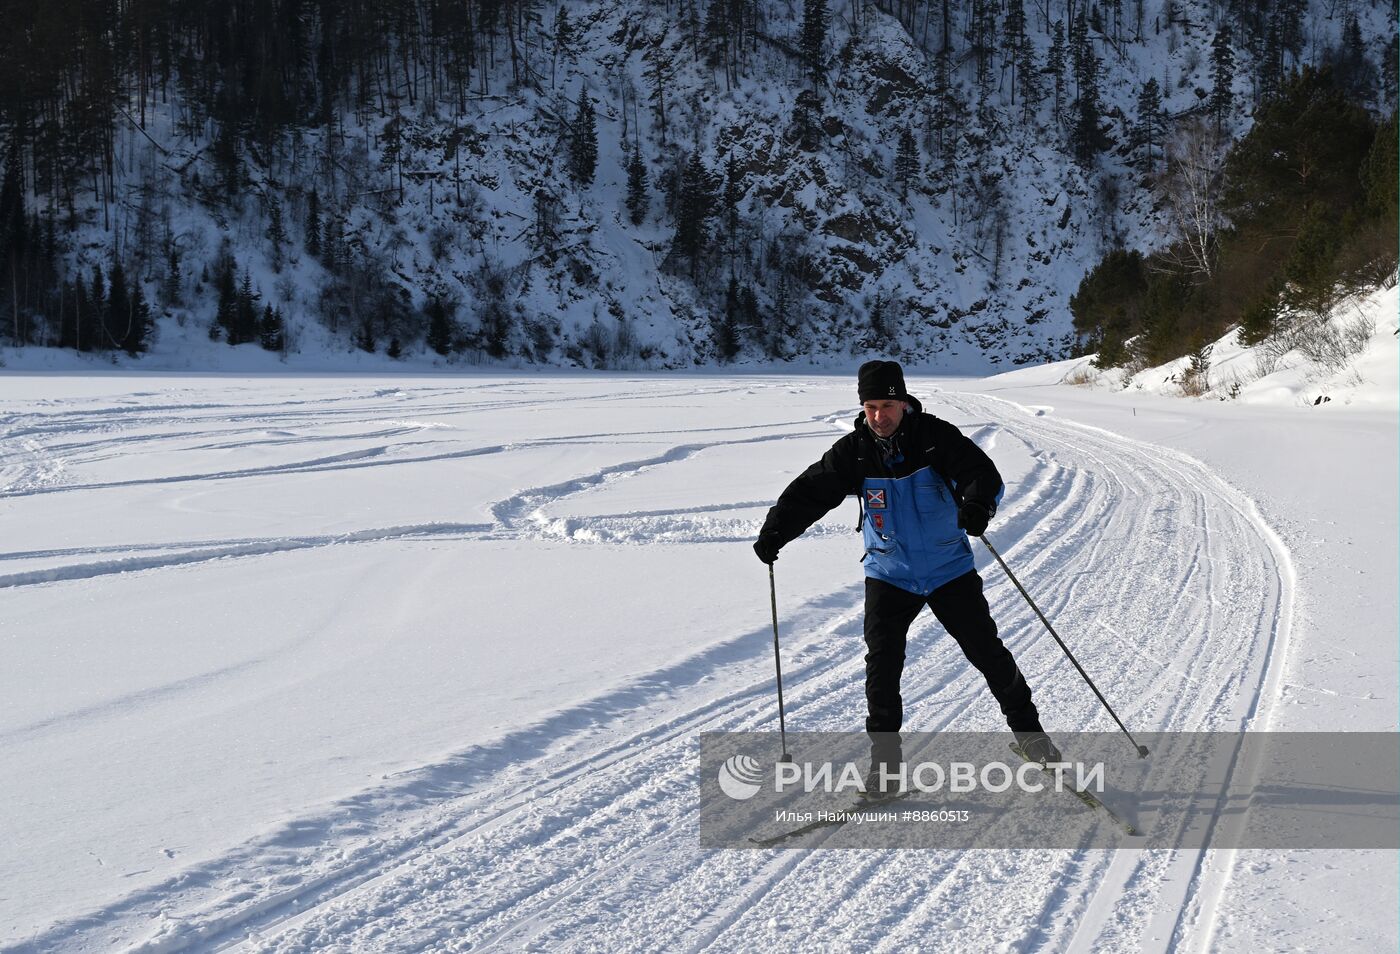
[1351, 357]
[968, 268]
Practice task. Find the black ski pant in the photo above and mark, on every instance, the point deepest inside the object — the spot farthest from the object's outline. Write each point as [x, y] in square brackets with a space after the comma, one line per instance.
[962, 610]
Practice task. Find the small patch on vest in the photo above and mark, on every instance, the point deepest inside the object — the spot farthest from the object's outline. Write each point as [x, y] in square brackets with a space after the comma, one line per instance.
[879, 520]
[875, 500]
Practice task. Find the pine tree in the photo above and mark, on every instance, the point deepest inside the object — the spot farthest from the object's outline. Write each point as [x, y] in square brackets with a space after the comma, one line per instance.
[1086, 134]
[1149, 133]
[270, 334]
[391, 144]
[1055, 59]
[1349, 64]
[563, 40]
[276, 232]
[906, 161]
[583, 141]
[226, 320]
[117, 316]
[138, 330]
[1222, 57]
[659, 74]
[695, 204]
[812, 41]
[726, 330]
[94, 332]
[1019, 51]
[313, 224]
[245, 321]
[439, 327]
[1269, 63]
[637, 201]
[170, 289]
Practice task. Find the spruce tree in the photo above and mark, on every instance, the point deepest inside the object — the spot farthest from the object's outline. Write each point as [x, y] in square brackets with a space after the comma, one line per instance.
[94, 334]
[276, 233]
[1148, 134]
[812, 41]
[695, 204]
[439, 327]
[139, 328]
[583, 141]
[637, 202]
[1222, 57]
[1055, 59]
[170, 289]
[313, 224]
[245, 322]
[118, 317]
[271, 332]
[1086, 134]
[906, 161]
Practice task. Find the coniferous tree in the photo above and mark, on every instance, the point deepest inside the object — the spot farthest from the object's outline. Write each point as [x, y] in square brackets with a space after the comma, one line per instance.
[1086, 134]
[271, 332]
[139, 327]
[392, 143]
[95, 329]
[1055, 59]
[439, 327]
[637, 201]
[117, 315]
[906, 161]
[695, 204]
[1349, 64]
[1150, 131]
[563, 39]
[226, 320]
[1269, 64]
[276, 233]
[583, 141]
[733, 194]
[313, 224]
[659, 73]
[812, 41]
[170, 289]
[245, 320]
[1222, 57]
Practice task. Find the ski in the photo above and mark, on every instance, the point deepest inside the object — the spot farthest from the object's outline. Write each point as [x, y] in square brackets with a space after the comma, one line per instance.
[835, 819]
[1086, 797]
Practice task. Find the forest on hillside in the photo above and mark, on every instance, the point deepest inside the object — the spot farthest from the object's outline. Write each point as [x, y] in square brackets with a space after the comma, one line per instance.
[492, 178]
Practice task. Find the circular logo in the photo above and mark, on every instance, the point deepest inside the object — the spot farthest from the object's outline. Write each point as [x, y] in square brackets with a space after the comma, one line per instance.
[739, 777]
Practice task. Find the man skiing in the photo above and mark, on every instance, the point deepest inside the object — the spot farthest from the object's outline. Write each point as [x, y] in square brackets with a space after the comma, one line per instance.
[924, 488]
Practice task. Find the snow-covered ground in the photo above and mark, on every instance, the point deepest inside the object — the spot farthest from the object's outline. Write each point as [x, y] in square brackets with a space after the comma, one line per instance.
[348, 663]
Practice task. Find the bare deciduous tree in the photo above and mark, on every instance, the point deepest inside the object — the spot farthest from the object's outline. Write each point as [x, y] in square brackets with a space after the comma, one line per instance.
[1191, 187]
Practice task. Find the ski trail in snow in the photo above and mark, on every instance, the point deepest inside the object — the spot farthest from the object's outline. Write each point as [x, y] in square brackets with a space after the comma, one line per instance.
[1190, 886]
[580, 832]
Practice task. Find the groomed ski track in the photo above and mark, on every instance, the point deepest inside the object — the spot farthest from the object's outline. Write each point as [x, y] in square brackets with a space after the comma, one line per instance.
[579, 832]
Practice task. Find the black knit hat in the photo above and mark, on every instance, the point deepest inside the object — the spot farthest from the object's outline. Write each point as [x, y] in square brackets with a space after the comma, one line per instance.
[881, 381]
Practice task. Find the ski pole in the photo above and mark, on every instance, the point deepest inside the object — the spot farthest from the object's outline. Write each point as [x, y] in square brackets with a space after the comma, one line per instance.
[778, 662]
[1141, 749]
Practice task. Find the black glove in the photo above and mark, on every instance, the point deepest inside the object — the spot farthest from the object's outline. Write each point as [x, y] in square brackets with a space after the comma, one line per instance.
[973, 517]
[767, 547]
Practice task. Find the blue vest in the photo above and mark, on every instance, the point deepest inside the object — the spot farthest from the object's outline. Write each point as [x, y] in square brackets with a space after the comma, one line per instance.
[910, 526]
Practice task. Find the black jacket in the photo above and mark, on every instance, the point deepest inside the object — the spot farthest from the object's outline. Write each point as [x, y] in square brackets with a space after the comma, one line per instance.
[922, 440]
